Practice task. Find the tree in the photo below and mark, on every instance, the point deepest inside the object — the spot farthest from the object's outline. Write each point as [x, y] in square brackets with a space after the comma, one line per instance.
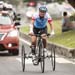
[28, 0]
[14, 2]
[72, 2]
[60, 1]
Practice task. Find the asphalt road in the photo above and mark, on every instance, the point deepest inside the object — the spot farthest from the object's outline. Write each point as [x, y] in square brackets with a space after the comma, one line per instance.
[11, 65]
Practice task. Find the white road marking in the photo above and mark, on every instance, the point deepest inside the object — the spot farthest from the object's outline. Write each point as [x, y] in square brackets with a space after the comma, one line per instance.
[58, 58]
[64, 61]
[28, 43]
[27, 61]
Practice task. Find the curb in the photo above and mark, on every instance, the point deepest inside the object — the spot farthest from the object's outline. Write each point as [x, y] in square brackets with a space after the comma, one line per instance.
[68, 52]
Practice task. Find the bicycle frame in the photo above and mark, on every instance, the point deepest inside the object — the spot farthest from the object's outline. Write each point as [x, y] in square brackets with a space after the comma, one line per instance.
[39, 44]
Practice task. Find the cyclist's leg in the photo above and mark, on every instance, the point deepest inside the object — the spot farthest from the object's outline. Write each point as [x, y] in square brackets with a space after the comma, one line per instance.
[33, 46]
[44, 41]
[33, 49]
[34, 38]
[47, 53]
[44, 37]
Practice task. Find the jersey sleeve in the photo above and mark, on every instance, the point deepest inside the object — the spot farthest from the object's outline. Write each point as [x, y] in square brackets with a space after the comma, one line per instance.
[33, 18]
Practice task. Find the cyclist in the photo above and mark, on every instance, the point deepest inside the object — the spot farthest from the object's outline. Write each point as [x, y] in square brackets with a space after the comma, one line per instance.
[39, 22]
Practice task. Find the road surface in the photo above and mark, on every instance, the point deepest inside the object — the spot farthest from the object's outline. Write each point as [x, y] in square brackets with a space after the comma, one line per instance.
[11, 65]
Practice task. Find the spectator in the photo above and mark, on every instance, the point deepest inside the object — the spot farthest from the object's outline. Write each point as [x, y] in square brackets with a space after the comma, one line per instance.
[65, 22]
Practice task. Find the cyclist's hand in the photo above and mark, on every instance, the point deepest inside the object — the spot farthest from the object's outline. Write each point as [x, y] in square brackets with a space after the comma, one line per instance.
[52, 33]
[31, 33]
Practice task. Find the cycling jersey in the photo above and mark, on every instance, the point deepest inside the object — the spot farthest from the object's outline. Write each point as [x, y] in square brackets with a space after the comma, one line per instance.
[41, 22]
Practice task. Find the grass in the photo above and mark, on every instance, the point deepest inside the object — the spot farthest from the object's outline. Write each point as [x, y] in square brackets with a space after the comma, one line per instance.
[25, 29]
[66, 39]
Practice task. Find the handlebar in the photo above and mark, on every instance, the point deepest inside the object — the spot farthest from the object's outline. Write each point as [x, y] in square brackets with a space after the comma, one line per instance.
[41, 35]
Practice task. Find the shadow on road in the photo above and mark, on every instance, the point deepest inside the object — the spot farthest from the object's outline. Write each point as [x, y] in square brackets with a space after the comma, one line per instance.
[5, 53]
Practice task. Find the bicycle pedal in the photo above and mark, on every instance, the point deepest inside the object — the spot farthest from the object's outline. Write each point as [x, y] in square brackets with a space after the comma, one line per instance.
[37, 63]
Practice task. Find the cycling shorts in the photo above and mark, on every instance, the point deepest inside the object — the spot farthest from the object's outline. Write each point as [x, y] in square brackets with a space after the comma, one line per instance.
[43, 30]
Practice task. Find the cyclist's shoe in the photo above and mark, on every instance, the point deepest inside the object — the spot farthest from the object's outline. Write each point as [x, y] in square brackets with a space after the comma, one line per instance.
[34, 59]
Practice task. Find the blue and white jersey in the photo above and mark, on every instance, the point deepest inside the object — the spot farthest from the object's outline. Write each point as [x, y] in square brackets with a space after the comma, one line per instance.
[41, 22]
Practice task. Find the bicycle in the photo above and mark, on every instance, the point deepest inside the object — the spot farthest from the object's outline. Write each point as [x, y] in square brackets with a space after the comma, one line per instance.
[40, 54]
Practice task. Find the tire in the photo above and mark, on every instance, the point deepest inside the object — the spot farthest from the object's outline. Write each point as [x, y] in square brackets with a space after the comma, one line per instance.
[23, 58]
[42, 56]
[53, 59]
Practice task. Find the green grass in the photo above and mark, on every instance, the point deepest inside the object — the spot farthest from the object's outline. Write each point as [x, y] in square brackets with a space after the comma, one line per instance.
[25, 29]
[66, 39]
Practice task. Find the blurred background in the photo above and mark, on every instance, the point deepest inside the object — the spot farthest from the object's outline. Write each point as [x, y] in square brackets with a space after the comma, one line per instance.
[26, 8]
[55, 7]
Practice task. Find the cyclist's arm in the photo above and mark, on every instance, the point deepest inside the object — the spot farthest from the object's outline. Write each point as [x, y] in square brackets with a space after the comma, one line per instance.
[51, 25]
[32, 25]
[50, 22]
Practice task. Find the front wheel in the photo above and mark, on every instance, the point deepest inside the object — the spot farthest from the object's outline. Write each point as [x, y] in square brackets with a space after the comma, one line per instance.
[23, 58]
[42, 57]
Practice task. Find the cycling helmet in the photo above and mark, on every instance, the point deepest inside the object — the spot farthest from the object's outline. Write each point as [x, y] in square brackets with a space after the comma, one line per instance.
[43, 9]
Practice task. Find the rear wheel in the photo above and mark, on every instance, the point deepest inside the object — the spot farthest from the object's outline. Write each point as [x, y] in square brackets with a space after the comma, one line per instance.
[53, 58]
[23, 58]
